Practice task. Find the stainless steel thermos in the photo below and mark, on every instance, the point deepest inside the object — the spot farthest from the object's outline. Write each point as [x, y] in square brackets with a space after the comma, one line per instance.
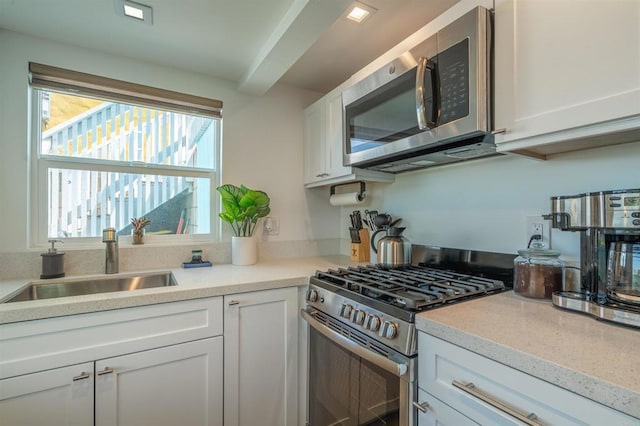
[393, 250]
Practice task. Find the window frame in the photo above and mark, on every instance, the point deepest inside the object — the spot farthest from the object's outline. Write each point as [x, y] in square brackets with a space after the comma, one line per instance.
[40, 164]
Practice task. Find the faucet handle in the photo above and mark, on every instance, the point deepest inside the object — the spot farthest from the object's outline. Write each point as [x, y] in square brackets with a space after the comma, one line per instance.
[109, 235]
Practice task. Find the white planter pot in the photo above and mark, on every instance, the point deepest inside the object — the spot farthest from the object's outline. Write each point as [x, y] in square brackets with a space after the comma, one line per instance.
[244, 250]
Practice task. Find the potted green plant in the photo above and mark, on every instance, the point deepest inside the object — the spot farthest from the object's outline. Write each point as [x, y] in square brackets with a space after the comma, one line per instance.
[242, 208]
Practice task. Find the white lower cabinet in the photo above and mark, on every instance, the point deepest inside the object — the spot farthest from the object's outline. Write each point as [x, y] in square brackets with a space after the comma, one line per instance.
[174, 385]
[149, 365]
[434, 412]
[491, 393]
[261, 358]
[62, 396]
[166, 364]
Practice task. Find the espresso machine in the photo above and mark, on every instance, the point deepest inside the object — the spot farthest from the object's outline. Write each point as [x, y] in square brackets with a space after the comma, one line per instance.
[609, 227]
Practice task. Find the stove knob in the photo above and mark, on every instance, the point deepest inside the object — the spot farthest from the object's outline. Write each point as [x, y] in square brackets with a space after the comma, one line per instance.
[345, 310]
[388, 330]
[357, 316]
[312, 295]
[372, 322]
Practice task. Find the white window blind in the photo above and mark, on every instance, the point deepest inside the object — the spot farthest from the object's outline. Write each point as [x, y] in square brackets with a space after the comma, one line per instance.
[82, 84]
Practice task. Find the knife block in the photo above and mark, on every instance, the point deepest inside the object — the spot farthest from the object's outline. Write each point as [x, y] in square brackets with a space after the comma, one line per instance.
[361, 252]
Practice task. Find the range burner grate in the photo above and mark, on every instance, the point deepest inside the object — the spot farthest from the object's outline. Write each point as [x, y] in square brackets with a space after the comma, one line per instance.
[413, 288]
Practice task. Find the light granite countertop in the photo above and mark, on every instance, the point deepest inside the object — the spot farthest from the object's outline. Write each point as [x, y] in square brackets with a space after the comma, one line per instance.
[192, 283]
[598, 360]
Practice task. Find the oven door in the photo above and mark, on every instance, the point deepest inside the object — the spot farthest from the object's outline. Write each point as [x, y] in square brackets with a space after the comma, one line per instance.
[354, 380]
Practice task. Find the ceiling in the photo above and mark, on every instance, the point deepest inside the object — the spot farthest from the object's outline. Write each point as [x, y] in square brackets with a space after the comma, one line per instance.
[254, 43]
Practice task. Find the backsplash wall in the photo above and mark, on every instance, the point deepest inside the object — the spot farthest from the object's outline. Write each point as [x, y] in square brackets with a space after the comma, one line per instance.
[28, 264]
[483, 204]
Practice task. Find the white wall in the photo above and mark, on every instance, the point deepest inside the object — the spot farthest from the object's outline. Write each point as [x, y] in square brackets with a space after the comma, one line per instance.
[478, 205]
[262, 136]
[483, 204]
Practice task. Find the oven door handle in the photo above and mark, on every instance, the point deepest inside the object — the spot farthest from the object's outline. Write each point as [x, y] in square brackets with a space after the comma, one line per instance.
[398, 369]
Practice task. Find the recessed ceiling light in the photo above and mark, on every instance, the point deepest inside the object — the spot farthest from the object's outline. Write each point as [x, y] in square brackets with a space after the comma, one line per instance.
[359, 12]
[133, 12]
[139, 12]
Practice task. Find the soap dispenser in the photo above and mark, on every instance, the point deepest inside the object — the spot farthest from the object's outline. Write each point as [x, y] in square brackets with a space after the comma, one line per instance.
[52, 262]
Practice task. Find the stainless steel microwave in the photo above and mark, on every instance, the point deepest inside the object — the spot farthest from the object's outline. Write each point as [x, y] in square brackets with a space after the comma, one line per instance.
[430, 106]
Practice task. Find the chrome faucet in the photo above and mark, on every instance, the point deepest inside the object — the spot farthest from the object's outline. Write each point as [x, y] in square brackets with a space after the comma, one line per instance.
[111, 255]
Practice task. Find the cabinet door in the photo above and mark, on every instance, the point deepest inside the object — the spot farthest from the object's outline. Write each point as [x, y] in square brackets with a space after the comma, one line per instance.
[334, 135]
[562, 66]
[315, 147]
[437, 413]
[261, 358]
[174, 385]
[63, 396]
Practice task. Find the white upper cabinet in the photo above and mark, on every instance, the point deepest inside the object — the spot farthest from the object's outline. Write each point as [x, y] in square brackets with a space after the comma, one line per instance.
[323, 134]
[567, 74]
[315, 146]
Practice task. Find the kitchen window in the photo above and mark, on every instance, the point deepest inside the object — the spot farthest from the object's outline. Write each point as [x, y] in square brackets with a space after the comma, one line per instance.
[106, 151]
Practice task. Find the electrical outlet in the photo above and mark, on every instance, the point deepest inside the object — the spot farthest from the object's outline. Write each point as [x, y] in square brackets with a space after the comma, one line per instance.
[536, 228]
[536, 225]
[271, 225]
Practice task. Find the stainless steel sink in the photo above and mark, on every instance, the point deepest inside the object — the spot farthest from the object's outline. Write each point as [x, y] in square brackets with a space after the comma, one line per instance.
[46, 290]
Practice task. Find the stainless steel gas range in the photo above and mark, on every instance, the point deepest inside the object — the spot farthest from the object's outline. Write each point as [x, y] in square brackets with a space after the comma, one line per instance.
[362, 336]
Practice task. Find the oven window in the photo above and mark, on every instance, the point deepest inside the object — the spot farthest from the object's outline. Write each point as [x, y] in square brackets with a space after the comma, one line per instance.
[345, 389]
[385, 115]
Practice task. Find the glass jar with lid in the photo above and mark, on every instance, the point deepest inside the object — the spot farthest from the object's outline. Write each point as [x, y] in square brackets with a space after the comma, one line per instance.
[538, 272]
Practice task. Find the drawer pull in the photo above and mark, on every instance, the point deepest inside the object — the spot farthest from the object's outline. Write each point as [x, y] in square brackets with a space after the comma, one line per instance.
[234, 302]
[422, 406]
[82, 376]
[106, 370]
[499, 131]
[471, 389]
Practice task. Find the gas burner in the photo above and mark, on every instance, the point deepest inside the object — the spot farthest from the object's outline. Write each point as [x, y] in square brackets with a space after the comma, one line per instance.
[380, 304]
[413, 288]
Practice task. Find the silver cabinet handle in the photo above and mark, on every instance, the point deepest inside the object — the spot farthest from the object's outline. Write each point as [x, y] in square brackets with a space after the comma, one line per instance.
[81, 376]
[471, 389]
[499, 131]
[106, 370]
[233, 302]
[422, 406]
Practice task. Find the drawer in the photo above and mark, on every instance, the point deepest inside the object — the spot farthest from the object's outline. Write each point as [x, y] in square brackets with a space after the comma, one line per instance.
[31, 346]
[486, 391]
[436, 412]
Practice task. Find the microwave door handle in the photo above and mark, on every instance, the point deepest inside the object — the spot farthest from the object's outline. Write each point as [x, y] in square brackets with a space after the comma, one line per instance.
[421, 108]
